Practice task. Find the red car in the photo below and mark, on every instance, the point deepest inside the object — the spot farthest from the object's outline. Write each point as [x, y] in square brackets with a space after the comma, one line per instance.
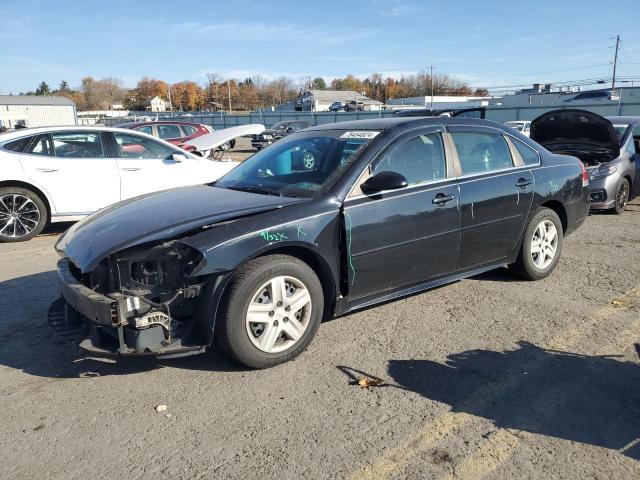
[177, 133]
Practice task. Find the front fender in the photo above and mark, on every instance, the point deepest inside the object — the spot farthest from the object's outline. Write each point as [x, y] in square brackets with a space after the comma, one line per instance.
[314, 229]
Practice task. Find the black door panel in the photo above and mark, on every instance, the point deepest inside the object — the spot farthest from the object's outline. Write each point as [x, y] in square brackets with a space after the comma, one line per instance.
[493, 211]
[401, 238]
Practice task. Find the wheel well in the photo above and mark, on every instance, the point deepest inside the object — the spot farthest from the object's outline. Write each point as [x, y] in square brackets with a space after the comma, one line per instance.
[28, 186]
[557, 207]
[318, 265]
[630, 184]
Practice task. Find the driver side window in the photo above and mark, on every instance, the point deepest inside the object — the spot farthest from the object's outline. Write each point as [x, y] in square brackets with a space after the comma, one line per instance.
[133, 146]
[419, 159]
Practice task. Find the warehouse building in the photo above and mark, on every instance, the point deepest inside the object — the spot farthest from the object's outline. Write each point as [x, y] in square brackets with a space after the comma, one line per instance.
[321, 100]
[36, 111]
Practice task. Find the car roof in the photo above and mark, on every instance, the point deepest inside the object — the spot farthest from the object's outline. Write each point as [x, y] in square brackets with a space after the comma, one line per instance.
[392, 122]
[623, 119]
[153, 122]
[23, 132]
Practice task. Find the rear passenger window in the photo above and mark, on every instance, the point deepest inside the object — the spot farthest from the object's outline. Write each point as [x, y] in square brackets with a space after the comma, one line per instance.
[188, 130]
[168, 131]
[41, 147]
[419, 159]
[146, 129]
[77, 145]
[528, 154]
[481, 152]
[18, 145]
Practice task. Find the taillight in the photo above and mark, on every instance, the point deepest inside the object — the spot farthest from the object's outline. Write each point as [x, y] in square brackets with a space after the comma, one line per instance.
[585, 175]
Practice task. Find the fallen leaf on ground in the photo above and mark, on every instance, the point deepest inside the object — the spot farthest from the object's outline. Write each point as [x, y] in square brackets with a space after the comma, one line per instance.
[161, 408]
[366, 382]
[617, 303]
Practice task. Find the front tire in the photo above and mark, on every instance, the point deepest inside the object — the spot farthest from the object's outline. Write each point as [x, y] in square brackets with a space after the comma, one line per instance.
[622, 197]
[541, 246]
[23, 214]
[274, 308]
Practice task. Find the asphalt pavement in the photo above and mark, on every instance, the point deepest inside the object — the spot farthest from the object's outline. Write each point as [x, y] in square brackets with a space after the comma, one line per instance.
[490, 377]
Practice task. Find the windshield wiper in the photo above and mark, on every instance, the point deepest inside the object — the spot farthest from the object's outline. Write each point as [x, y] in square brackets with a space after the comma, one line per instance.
[255, 189]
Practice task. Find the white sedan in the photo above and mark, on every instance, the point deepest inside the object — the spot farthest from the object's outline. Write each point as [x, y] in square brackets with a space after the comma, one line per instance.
[57, 174]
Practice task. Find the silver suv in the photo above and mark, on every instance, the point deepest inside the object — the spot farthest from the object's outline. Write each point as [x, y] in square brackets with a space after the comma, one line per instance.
[609, 147]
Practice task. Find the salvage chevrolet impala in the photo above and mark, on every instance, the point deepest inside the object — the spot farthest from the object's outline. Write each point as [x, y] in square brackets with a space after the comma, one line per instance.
[328, 220]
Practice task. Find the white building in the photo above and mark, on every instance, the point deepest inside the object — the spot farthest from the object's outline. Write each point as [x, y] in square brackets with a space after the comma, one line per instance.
[439, 102]
[321, 100]
[36, 111]
[156, 104]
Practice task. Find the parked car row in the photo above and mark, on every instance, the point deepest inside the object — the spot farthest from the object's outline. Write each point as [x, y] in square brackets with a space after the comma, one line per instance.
[327, 220]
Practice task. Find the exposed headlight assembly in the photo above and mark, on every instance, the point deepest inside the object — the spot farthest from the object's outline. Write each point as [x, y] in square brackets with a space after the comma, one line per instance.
[603, 170]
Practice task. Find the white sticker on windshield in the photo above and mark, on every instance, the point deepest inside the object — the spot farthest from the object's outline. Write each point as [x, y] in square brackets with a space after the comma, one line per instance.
[359, 134]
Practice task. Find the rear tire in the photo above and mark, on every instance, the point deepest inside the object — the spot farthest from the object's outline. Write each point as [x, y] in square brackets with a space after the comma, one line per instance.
[23, 214]
[263, 325]
[622, 197]
[541, 246]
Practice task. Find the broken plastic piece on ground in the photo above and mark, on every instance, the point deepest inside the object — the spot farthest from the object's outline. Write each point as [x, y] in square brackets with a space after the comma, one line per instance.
[366, 382]
[161, 408]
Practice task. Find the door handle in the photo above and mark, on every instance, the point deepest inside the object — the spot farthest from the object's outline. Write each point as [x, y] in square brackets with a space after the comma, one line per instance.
[523, 182]
[441, 199]
[47, 170]
[131, 169]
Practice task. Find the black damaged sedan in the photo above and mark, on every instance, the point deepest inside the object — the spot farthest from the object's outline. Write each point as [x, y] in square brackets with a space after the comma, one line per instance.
[329, 220]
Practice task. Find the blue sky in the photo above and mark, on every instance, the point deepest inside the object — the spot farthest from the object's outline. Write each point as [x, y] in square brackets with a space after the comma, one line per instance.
[487, 43]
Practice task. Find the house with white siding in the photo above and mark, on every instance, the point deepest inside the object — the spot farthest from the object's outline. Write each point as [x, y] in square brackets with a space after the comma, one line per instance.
[36, 111]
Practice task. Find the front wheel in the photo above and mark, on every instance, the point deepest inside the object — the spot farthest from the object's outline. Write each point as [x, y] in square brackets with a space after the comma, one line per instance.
[23, 214]
[274, 308]
[541, 246]
[622, 197]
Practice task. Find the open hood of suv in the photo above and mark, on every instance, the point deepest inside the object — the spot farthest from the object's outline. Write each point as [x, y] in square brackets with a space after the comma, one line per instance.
[583, 134]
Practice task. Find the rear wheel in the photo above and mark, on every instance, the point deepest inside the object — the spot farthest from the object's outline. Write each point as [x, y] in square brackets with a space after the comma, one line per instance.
[23, 214]
[274, 308]
[541, 246]
[622, 197]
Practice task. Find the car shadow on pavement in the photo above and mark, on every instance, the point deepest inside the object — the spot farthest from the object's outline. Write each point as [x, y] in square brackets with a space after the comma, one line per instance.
[29, 343]
[587, 399]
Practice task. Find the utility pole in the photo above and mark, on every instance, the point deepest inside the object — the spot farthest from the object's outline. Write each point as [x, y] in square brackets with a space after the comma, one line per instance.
[229, 92]
[170, 104]
[431, 78]
[615, 64]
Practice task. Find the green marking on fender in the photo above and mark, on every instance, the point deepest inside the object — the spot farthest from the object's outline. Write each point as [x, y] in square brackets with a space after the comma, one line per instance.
[350, 259]
[273, 236]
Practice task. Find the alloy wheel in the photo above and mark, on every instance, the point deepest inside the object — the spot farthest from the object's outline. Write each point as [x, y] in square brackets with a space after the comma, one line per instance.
[544, 244]
[278, 314]
[308, 160]
[622, 196]
[19, 215]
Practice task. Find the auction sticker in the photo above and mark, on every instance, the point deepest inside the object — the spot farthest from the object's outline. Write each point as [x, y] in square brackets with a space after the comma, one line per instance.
[359, 134]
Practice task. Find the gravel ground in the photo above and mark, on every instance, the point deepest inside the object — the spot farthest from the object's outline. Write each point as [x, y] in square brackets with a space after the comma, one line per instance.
[490, 376]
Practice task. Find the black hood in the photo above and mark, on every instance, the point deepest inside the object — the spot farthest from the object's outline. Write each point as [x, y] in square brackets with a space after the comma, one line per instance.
[584, 134]
[158, 216]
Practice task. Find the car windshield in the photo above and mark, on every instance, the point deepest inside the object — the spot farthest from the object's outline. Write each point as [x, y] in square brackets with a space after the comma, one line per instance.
[301, 165]
[280, 125]
[620, 129]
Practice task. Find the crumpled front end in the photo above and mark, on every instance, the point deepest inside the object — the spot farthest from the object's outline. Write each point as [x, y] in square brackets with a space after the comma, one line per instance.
[140, 301]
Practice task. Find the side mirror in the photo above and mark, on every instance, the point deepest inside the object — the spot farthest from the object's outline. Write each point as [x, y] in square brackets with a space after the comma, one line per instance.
[384, 181]
[178, 157]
